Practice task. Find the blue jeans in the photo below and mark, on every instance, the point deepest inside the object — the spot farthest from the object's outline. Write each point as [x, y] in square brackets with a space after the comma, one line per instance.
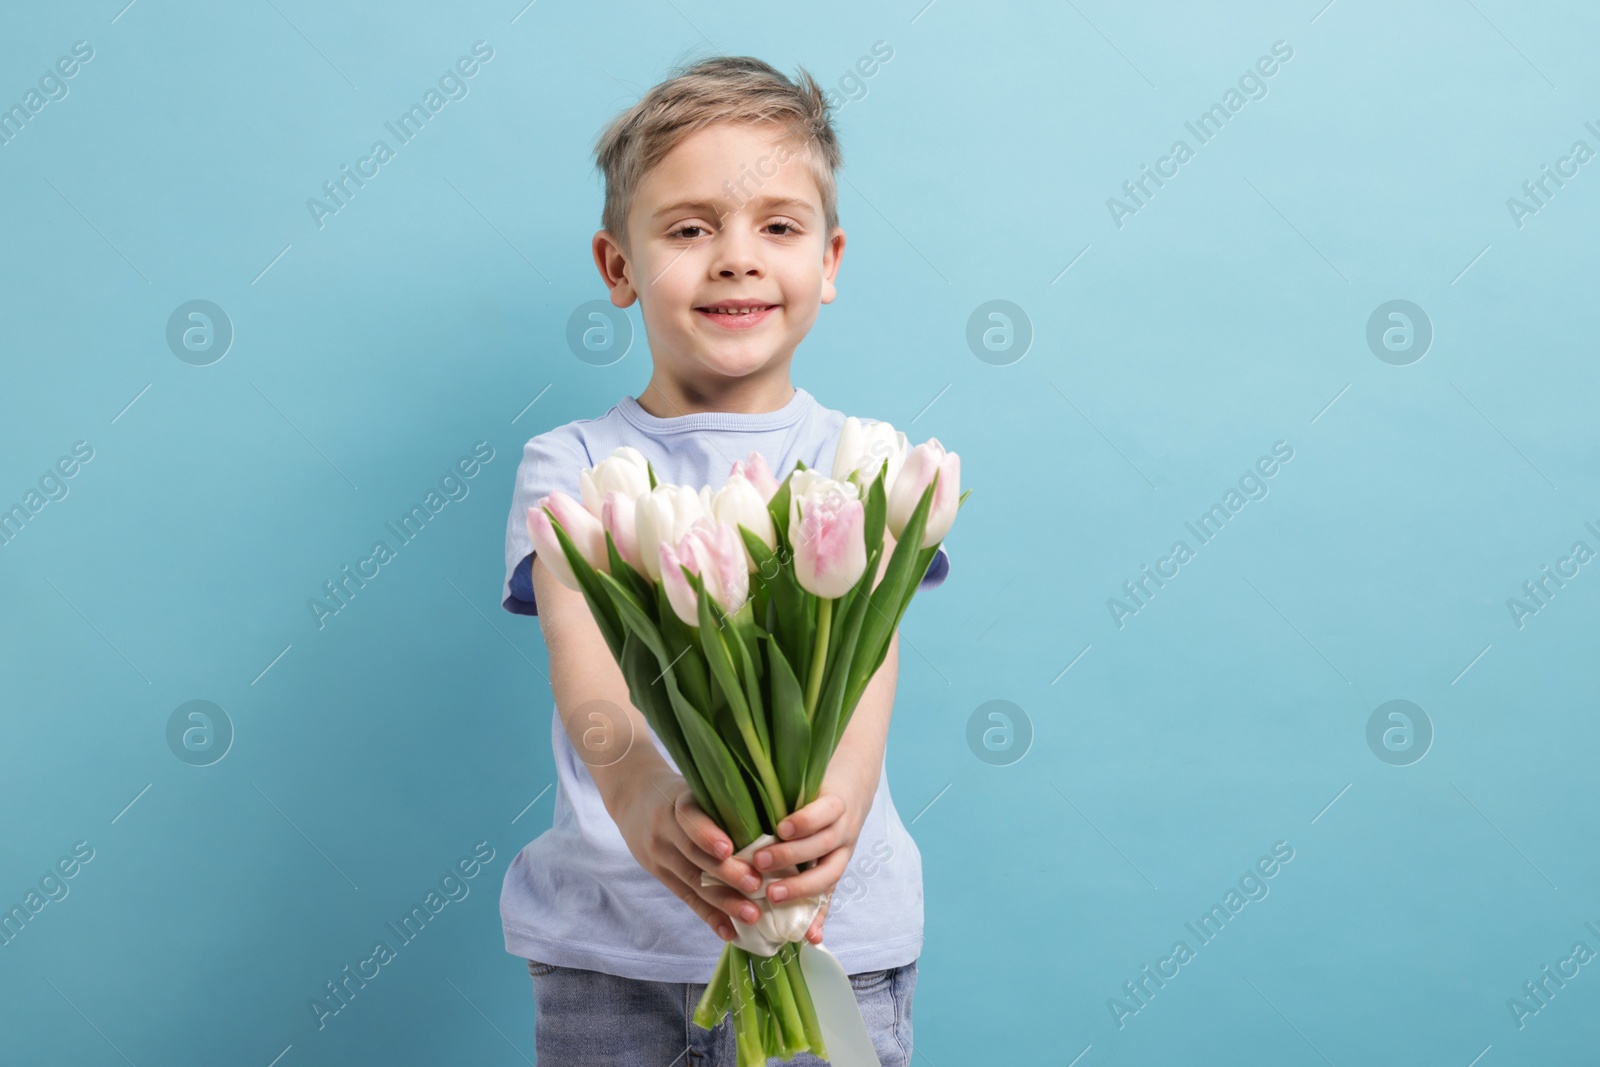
[591, 1019]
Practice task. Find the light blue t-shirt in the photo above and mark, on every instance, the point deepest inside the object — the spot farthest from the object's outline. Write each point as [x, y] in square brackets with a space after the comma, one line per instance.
[575, 896]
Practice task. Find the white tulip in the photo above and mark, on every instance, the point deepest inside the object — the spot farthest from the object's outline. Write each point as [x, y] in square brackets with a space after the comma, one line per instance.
[624, 471]
[922, 463]
[739, 503]
[663, 516]
[862, 449]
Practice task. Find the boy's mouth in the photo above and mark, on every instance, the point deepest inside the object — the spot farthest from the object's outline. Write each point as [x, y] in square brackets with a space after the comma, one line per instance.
[736, 314]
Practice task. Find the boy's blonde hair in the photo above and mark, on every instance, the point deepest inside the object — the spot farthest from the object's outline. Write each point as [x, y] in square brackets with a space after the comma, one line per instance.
[725, 89]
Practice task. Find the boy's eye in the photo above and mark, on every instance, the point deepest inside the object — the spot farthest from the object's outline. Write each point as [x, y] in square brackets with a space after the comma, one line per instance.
[788, 228]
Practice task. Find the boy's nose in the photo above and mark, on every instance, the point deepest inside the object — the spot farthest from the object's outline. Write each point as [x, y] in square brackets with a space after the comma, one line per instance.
[736, 254]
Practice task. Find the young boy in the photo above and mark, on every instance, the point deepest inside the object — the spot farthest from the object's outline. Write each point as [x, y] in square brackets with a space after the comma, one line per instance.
[720, 218]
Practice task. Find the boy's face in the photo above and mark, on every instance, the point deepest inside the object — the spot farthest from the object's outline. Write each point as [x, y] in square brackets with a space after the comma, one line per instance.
[731, 215]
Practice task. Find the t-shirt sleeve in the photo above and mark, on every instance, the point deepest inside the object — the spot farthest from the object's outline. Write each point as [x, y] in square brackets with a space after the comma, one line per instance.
[938, 569]
[550, 462]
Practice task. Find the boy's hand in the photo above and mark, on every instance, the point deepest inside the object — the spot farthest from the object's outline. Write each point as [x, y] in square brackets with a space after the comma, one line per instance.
[675, 840]
[825, 830]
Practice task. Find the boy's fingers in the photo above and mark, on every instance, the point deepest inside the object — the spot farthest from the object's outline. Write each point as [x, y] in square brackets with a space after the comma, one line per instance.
[699, 826]
[814, 934]
[710, 844]
[822, 811]
[734, 872]
[790, 853]
[712, 903]
[823, 877]
[727, 897]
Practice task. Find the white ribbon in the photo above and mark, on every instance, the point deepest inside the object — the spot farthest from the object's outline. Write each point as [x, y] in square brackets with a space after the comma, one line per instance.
[780, 921]
[832, 995]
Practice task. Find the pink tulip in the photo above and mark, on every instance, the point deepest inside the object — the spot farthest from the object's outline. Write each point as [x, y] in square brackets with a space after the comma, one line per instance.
[616, 517]
[922, 463]
[757, 473]
[827, 527]
[587, 535]
[714, 552]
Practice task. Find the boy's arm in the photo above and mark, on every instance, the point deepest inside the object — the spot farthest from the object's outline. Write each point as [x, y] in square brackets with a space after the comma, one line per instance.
[652, 805]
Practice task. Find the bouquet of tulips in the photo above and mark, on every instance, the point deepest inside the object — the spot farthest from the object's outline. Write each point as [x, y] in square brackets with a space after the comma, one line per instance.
[747, 623]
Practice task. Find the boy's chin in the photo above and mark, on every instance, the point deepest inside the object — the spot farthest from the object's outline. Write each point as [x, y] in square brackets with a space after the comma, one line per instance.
[736, 364]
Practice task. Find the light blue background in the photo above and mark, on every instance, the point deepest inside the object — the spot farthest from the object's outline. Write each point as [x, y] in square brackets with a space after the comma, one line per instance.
[1228, 314]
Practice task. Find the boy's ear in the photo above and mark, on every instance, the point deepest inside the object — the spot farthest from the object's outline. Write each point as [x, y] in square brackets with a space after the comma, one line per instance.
[615, 270]
[832, 253]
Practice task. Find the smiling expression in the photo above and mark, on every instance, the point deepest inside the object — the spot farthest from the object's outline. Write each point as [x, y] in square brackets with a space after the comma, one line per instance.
[729, 258]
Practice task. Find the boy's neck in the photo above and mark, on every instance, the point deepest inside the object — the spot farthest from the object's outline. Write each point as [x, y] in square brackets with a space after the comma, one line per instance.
[666, 398]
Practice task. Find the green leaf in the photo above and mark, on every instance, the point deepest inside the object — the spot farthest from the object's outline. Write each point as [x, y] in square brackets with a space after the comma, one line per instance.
[826, 720]
[683, 647]
[791, 732]
[888, 600]
[649, 694]
[742, 636]
[778, 506]
[605, 616]
[714, 639]
[791, 610]
[723, 782]
[924, 559]
[629, 577]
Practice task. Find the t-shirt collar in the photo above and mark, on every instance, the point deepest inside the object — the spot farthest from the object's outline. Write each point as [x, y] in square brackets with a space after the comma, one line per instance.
[790, 413]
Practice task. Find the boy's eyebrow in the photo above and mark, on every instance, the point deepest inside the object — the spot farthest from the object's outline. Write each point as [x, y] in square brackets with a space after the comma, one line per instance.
[714, 207]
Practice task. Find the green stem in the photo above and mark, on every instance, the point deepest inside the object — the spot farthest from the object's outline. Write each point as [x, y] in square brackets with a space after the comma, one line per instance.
[746, 1015]
[718, 996]
[819, 655]
[803, 1003]
[776, 801]
[791, 1029]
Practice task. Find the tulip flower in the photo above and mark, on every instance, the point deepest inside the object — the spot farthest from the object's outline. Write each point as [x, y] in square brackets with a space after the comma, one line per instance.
[755, 470]
[587, 535]
[663, 516]
[827, 527]
[617, 518]
[740, 503]
[862, 449]
[624, 471]
[713, 551]
[922, 462]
